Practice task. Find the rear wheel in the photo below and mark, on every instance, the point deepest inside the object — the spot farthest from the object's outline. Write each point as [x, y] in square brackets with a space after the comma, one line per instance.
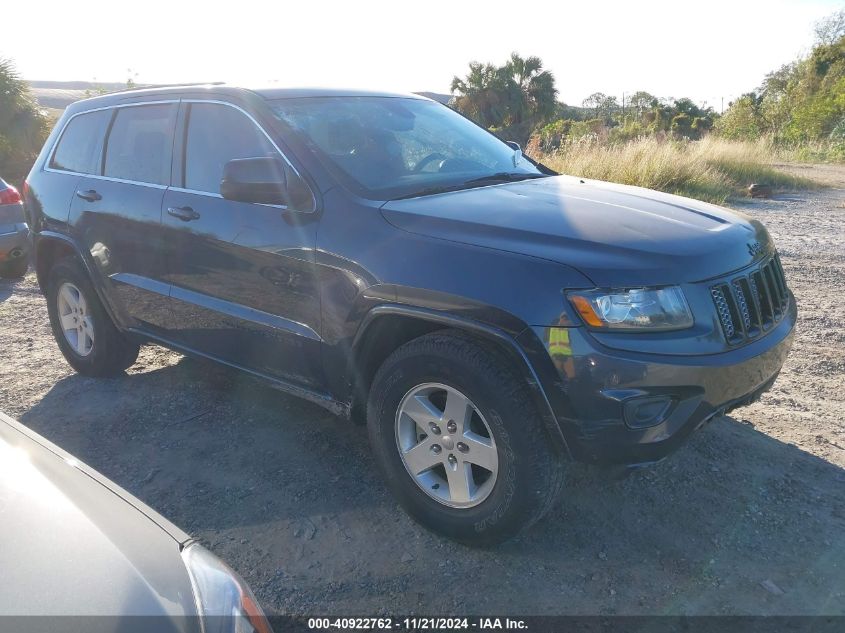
[14, 269]
[88, 339]
[459, 439]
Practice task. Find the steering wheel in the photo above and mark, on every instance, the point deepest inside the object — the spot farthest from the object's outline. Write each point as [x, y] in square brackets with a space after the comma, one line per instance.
[425, 161]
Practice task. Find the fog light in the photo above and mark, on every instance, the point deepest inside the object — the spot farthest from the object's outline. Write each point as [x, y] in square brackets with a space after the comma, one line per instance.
[641, 413]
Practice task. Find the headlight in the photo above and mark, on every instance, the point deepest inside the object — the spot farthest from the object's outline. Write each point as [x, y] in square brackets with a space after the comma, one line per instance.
[635, 309]
[224, 601]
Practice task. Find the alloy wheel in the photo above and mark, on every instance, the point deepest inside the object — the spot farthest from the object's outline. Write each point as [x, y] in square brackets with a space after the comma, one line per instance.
[446, 445]
[75, 319]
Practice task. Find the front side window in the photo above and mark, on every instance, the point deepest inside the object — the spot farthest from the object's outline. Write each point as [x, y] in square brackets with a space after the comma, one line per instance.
[217, 134]
[388, 147]
[139, 144]
[79, 146]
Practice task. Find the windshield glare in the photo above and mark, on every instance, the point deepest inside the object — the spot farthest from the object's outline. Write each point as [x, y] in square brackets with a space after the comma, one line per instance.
[391, 147]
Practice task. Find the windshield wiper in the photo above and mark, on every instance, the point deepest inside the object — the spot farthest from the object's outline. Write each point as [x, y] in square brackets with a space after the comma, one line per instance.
[504, 176]
[430, 191]
[469, 184]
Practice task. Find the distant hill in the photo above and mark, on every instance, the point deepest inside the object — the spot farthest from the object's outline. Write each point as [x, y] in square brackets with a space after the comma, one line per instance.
[57, 95]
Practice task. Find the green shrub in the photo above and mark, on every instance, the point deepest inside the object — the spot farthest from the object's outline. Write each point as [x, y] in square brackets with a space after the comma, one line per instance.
[742, 120]
[551, 135]
[23, 126]
[801, 106]
[628, 131]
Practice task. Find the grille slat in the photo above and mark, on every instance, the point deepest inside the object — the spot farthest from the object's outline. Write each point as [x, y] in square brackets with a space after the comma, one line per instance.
[765, 299]
[774, 290]
[724, 312]
[751, 303]
[758, 301]
[742, 305]
[781, 278]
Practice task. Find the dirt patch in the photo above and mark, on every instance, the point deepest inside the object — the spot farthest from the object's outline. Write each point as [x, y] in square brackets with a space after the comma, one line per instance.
[830, 175]
[748, 517]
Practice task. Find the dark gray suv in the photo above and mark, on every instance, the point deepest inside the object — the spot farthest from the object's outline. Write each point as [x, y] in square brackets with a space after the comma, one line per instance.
[383, 256]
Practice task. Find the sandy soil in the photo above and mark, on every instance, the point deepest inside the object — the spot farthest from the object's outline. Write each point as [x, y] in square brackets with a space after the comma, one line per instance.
[747, 518]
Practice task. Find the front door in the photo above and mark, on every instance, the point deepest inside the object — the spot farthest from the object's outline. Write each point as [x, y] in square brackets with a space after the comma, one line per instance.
[243, 282]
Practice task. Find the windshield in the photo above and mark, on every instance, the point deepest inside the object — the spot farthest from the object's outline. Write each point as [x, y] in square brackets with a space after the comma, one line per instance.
[391, 147]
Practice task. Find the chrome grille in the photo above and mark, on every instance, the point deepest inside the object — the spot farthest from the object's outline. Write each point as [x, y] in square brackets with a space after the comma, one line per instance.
[752, 302]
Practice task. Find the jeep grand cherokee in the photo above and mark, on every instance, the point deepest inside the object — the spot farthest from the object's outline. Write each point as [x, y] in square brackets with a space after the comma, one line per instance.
[381, 255]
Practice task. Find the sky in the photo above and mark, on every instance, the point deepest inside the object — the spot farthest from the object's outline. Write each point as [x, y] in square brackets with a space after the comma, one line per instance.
[703, 50]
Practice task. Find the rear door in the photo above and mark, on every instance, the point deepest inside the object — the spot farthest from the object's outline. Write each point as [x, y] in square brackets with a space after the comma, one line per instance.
[116, 212]
[242, 275]
[78, 152]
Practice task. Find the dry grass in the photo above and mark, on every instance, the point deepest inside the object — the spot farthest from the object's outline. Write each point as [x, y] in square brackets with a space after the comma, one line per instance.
[711, 169]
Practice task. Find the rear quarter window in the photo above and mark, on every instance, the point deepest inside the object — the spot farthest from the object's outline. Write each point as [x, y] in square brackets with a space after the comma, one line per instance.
[79, 147]
[140, 143]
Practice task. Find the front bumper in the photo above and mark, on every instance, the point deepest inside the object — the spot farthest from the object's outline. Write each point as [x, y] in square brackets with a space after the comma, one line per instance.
[626, 407]
[14, 241]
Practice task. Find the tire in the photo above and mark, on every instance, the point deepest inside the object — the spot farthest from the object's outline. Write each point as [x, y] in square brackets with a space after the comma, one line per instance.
[14, 269]
[529, 471]
[105, 352]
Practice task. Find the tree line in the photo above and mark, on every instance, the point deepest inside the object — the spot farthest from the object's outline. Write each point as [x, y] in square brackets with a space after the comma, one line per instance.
[799, 104]
[518, 101]
[803, 102]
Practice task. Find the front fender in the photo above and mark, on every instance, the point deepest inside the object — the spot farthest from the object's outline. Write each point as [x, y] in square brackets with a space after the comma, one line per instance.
[494, 335]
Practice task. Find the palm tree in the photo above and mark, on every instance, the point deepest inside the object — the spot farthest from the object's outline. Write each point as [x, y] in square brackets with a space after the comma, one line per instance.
[482, 94]
[513, 98]
[23, 126]
[536, 95]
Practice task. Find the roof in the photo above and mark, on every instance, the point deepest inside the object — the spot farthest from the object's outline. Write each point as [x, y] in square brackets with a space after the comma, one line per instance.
[294, 93]
[217, 89]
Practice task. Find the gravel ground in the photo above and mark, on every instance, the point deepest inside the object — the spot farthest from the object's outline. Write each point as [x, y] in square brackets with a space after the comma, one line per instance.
[747, 518]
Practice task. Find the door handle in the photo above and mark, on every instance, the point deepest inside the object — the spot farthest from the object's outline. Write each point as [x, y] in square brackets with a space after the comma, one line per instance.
[186, 214]
[90, 195]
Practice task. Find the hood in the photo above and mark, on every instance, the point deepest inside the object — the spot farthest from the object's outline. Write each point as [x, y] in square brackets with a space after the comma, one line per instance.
[76, 544]
[614, 234]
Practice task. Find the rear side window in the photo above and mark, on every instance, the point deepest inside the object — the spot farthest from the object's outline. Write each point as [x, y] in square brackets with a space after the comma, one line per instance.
[217, 134]
[139, 144]
[79, 147]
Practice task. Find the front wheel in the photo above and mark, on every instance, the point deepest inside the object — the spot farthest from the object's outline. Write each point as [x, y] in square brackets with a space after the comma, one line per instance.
[460, 441]
[89, 341]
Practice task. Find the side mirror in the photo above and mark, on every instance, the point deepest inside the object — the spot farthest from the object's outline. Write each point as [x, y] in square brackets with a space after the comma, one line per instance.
[264, 180]
[517, 152]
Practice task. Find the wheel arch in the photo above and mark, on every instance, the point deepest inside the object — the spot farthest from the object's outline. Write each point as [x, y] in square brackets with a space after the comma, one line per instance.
[51, 247]
[388, 326]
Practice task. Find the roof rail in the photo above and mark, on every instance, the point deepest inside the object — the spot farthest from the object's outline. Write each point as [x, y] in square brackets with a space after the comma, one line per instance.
[175, 85]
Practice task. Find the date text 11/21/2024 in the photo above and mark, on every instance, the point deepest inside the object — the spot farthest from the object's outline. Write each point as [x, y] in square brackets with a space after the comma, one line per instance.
[418, 623]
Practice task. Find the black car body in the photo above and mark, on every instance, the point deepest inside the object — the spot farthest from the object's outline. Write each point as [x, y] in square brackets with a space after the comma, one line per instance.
[313, 291]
